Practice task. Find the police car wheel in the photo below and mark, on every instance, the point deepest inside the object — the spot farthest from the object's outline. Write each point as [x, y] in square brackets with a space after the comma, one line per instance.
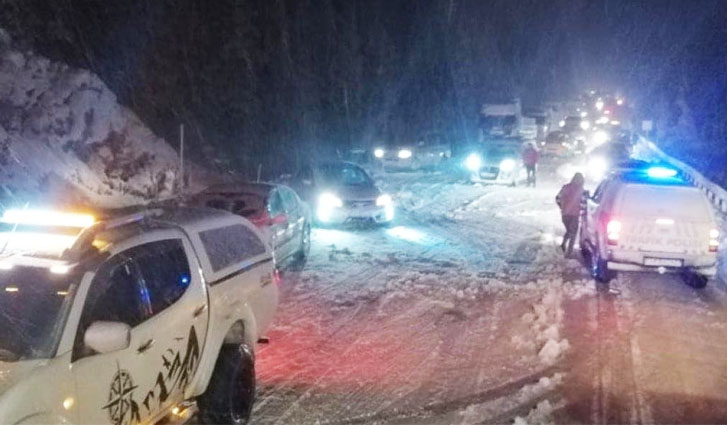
[231, 391]
[694, 280]
[583, 244]
[599, 267]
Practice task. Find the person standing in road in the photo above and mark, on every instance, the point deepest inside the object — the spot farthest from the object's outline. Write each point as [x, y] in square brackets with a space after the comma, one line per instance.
[569, 200]
[530, 160]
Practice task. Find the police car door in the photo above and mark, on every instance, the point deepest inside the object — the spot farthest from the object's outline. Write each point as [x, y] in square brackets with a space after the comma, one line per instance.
[165, 306]
[590, 223]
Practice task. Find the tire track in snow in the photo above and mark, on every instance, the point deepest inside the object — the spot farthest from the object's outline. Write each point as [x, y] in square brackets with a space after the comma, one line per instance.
[642, 407]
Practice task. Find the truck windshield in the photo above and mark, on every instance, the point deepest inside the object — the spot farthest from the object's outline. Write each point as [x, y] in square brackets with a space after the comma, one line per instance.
[33, 306]
[642, 200]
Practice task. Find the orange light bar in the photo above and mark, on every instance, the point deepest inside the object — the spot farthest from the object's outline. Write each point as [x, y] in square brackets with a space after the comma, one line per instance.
[47, 218]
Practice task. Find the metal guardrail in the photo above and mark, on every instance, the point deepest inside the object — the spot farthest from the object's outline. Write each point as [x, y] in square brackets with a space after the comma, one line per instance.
[715, 193]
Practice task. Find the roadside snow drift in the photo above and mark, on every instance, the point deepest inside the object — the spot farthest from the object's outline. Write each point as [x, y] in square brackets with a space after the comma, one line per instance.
[64, 137]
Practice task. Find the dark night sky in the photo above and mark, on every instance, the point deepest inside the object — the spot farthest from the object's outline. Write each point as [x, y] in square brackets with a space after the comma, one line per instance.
[306, 75]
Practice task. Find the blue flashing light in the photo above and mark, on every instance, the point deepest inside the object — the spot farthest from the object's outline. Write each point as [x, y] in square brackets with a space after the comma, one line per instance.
[184, 280]
[661, 172]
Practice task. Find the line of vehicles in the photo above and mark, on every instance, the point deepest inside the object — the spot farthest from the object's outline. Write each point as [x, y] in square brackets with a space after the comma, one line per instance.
[134, 316]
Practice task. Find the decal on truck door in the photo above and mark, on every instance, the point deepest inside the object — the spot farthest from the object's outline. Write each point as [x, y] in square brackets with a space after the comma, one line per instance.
[122, 408]
[177, 371]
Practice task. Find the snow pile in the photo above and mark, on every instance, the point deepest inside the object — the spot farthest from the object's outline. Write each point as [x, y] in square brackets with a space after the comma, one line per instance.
[63, 134]
[541, 414]
[545, 322]
[484, 412]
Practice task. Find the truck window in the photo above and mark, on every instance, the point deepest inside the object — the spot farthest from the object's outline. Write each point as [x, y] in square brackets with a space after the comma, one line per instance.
[165, 272]
[230, 245]
[641, 200]
[115, 295]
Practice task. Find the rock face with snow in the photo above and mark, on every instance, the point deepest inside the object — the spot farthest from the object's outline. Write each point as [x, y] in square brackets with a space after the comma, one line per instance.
[64, 137]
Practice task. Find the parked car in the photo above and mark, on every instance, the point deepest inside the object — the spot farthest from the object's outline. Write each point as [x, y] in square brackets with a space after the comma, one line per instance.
[557, 143]
[427, 153]
[136, 316]
[284, 220]
[341, 192]
[649, 219]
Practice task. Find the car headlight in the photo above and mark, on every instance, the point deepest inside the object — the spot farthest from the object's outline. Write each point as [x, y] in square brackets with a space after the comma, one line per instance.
[507, 165]
[585, 124]
[600, 137]
[597, 167]
[473, 162]
[379, 153]
[404, 154]
[384, 200]
[327, 202]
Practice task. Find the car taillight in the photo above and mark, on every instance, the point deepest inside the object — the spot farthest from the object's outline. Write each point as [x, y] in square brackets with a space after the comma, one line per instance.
[613, 231]
[713, 240]
[261, 219]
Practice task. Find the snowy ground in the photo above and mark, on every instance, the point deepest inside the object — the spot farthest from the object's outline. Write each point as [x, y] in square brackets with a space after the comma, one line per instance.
[466, 312]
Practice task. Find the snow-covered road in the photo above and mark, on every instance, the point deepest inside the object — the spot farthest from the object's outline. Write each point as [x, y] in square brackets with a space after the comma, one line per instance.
[466, 312]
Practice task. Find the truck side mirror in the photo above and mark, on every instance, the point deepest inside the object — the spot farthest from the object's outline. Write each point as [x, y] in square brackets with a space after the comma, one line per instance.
[107, 337]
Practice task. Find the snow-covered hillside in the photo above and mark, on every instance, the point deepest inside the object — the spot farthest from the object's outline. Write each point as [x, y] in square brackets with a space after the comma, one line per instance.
[64, 138]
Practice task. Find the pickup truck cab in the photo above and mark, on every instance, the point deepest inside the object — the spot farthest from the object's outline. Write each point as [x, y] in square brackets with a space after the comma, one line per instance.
[132, 317]
[649, 220]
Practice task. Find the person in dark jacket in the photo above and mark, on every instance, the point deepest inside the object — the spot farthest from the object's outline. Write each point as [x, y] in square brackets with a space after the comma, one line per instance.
[530, 160]
[569, 200]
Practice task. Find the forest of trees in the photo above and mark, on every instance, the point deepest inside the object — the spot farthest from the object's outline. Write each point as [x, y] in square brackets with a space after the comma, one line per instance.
[270, 81]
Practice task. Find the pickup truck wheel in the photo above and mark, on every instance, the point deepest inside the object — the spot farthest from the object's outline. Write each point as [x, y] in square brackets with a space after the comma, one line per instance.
[231, 391]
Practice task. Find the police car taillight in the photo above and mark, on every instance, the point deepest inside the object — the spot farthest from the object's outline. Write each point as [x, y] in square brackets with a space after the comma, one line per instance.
[713, 240]
[613, 231]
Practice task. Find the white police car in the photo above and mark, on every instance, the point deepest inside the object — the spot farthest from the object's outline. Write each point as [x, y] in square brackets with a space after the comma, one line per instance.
[649, 220]
[120, 322]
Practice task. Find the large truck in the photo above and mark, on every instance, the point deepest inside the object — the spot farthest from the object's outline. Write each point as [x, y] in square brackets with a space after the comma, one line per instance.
[499, 120]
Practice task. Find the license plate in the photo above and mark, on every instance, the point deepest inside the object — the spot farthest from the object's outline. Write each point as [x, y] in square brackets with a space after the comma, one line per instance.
[663, 262]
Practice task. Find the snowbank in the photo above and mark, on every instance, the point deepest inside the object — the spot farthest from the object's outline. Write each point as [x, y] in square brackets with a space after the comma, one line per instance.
[64, 137]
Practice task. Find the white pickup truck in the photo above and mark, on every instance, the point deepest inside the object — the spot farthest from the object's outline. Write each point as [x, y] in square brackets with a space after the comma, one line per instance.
[124, 321]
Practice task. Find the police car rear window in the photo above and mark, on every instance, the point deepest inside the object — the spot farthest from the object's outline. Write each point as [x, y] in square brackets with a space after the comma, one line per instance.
[674, 201]
[230, 245]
